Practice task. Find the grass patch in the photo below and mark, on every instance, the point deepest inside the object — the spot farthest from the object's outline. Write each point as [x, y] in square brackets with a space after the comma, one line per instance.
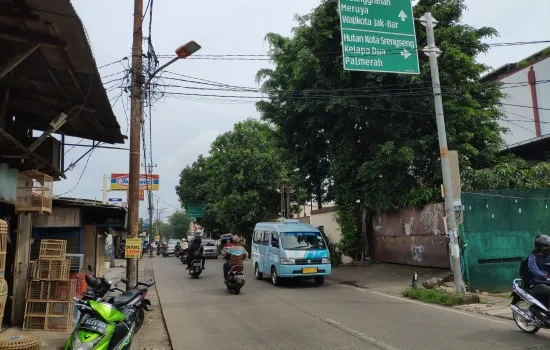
[433, 296]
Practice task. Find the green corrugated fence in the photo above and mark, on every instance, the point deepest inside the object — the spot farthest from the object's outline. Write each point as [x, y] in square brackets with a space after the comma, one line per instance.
[498, 230]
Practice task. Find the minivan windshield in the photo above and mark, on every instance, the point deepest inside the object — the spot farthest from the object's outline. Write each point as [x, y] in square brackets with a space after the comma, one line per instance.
[302, 241]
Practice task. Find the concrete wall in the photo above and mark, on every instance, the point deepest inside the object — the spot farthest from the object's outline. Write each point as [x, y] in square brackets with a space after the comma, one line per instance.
[521, 122]
[326, 217]
[8, 183]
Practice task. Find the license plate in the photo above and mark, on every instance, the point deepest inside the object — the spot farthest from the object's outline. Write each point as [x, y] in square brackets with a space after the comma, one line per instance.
[94, 325]
[197, 264]
[309, 270]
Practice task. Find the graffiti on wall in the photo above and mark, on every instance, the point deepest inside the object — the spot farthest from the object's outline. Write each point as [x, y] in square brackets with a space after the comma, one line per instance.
[431, 218]
[417, 252]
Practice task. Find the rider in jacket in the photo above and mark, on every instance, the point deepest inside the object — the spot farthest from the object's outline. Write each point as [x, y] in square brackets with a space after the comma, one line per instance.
[196, 251]
[235, 254]
[538, 270]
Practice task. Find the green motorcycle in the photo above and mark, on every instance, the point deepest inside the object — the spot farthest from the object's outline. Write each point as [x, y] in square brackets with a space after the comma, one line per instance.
[110, 325]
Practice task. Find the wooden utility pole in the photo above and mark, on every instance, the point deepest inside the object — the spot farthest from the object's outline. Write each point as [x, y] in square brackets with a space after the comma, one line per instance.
[135, 135]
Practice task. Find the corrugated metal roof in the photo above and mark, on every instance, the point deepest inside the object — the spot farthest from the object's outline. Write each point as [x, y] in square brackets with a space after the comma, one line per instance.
[43, 84]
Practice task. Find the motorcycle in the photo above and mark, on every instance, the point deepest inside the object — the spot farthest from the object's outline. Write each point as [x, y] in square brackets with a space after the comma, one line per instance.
[529, 314]
[235, 280]
[183, 256]
[177, 252]
[112, 324]
[196, 268]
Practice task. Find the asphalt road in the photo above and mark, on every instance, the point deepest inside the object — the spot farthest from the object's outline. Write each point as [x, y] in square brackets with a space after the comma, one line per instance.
[201, 314]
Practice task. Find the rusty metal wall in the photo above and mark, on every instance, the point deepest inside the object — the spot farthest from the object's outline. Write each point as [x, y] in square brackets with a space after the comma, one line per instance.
[412, 237]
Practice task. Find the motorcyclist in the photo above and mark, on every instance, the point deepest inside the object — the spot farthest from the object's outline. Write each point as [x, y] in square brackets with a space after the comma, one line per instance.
[184, 245]
[235, 254]
[538, 270]
[196, 251]
[177, 248]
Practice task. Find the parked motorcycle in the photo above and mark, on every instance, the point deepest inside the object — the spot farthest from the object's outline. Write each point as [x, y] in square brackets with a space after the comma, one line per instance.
[235, 280]
[530, 315]
[112, 324]
[196, 268]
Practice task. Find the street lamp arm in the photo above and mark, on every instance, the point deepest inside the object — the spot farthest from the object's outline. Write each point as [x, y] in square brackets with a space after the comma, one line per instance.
[160, 69]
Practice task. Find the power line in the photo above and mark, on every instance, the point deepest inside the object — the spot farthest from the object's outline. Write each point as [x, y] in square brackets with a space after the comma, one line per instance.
[81, 174]
[266, 57]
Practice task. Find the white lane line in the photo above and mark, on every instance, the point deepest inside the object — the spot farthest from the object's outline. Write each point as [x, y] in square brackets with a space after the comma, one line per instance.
[470, 314]
[376, 342]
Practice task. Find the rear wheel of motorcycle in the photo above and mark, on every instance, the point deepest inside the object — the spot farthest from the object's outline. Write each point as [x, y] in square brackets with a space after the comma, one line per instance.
[236, 291]
[521, 322]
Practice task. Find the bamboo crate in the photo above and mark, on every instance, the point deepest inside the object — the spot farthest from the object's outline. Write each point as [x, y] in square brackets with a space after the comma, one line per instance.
[49, 315]
[51, 290]
[3, 296]
[52, 249]
[34, 323]
[52, 270]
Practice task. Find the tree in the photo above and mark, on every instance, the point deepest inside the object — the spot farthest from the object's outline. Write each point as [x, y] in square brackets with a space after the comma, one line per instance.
[376, 132]
[179, 225]
[245, 168]
[192, 186]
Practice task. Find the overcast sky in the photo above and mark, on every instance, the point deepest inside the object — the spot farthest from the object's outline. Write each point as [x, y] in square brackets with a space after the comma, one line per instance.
[184, 127]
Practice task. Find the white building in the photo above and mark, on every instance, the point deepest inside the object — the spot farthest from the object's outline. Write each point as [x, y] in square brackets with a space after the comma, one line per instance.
[526, 105]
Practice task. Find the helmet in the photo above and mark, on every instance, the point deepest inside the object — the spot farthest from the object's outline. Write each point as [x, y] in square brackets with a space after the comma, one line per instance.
[236, 239]
[542, 244]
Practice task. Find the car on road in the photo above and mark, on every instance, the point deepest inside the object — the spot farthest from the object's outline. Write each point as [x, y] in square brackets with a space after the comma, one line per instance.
[289, 249]
[210, 248]
[171, 247]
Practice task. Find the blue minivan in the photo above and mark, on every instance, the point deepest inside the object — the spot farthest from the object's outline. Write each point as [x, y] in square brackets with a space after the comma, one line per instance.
[289, 249]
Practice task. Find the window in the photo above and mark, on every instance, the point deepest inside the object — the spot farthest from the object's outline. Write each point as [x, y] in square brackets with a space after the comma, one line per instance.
[302, 241]
[260, 237]
[274, 239]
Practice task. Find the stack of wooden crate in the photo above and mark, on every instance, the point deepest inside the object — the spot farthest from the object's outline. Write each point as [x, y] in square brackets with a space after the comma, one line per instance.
[50, 304]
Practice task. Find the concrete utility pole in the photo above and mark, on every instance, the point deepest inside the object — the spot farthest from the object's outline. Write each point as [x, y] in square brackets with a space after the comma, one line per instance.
[433, 52]
[135, 134]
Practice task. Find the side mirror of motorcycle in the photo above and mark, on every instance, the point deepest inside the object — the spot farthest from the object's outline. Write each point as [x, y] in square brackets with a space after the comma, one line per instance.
[90, 268]
[124, 280]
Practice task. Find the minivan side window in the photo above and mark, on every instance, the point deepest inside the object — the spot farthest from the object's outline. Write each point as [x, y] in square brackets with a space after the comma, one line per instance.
[265, 239]
[258, 237]
[274, 239]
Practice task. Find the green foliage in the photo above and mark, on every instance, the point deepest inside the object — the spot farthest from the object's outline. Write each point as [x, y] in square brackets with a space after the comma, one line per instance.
[239, 181]
[507, 175]
[433, 296]
[179, 223]
[372, 136]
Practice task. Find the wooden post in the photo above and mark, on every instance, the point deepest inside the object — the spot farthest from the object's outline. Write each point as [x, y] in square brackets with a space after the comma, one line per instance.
[21, 267]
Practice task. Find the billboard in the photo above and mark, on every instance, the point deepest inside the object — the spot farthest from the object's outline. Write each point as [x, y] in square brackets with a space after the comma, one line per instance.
[120, 182]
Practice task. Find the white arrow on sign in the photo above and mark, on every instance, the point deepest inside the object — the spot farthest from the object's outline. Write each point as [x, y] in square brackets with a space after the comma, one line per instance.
[402, 15]
[405, 54]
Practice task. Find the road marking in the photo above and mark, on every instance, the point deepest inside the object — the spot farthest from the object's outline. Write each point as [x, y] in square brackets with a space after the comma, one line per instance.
[471, 314]
[351, 331]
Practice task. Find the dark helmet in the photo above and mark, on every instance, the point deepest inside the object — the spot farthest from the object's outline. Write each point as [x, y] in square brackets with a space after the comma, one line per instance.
[197, 239]
[542, 244]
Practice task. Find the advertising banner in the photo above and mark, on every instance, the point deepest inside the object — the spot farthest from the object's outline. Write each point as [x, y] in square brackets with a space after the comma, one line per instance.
[120, 182]
[133, 248]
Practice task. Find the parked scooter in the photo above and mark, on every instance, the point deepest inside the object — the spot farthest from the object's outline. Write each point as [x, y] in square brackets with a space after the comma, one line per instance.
[196, 268]
[235, 280]
[112, 324]
[529, 313]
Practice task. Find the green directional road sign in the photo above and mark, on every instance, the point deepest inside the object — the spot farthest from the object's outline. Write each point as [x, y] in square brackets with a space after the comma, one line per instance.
[378, 36]
[195, 210]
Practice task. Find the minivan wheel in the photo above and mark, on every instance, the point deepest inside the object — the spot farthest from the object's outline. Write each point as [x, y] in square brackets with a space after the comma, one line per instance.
[319, 279]
[257, 272]
[274, 277]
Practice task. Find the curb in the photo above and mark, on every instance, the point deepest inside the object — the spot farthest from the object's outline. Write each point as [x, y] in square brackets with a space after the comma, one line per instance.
[504, 317]
[160, 306]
